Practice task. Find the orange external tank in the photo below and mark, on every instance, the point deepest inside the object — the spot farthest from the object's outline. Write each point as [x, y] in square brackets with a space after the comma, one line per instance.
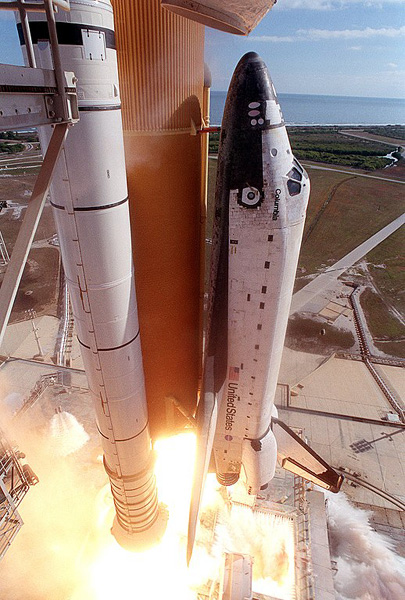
[161, 72]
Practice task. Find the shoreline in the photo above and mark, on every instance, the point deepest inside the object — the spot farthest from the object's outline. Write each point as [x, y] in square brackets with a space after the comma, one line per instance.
[352, 125]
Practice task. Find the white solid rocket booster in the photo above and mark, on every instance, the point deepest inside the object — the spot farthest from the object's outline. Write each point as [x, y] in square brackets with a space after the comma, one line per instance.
[90, 199]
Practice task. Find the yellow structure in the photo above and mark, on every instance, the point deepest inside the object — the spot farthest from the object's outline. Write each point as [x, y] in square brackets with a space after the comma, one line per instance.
[161, 71]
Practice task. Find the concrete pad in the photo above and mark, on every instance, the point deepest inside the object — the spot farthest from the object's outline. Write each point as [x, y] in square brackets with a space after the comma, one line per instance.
[20, 376]
[385, 471]
[394, 519]
[19, 339]
[395, 377]
[320, 435]
[331, 315]
[321, 564]
[342, 387]
[297, 365]
[323, 450]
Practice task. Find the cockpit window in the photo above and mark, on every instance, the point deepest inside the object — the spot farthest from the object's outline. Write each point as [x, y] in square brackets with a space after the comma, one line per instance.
[294, 187]
[297, 164]
[294, 174]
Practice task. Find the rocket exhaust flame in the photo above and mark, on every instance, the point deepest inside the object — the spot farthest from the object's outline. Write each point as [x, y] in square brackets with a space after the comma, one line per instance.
[161, 571]
[68, 524]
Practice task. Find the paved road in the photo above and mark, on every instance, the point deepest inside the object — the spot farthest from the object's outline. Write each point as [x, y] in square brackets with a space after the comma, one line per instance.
[381, 139]
[20, 159]
[328, 278]
[354, 173]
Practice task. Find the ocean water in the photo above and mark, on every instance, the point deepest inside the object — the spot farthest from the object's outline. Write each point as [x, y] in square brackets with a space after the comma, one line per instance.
[304, 109]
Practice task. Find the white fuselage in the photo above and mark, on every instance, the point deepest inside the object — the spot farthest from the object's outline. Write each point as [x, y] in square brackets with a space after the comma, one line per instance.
[264, 245]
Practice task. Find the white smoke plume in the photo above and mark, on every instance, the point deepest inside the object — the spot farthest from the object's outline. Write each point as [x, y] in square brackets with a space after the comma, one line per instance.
[268, 538]
[367, 566]
[67, 434]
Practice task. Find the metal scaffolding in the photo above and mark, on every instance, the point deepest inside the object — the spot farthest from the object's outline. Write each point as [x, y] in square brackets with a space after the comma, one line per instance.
[29, 97]
[15, 480]
[33, 97]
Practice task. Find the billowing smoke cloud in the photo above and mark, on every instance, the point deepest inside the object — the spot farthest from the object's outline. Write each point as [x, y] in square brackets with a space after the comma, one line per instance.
[367, 566]
[67, 434]
[65, 550]
[46, 558]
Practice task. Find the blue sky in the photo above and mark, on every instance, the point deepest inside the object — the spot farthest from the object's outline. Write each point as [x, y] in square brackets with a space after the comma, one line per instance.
[338, 47]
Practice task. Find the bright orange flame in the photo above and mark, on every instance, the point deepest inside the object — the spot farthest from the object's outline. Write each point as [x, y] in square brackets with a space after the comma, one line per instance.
[161, 572]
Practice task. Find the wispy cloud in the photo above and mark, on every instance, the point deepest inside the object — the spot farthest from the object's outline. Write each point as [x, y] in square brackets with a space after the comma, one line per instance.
[352, 34]
[332, 4]
[392, 65]
[316, 35]
[272, 38]
[355, 48]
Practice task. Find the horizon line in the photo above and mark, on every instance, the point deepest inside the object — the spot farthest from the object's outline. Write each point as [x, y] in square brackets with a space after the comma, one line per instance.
[328, 95]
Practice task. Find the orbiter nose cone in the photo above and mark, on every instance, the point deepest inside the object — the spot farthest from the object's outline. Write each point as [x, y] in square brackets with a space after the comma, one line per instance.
[251, 62]
[251, 78]
[250, 89]
[249, 57]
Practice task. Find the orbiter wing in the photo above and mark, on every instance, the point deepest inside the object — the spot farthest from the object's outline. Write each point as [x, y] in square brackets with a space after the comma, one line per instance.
[296, 456]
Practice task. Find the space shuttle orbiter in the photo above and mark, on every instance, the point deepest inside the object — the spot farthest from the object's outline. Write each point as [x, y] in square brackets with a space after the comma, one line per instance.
[261, 200]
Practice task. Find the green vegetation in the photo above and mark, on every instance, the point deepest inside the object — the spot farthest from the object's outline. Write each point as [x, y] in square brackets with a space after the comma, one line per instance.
[392, 131]
[8, 135]
[214, 143]
[352, 209]
[327, 145]
[11, 148]
[384, 327]
[392, 348]
[26, 136]
[386, 267]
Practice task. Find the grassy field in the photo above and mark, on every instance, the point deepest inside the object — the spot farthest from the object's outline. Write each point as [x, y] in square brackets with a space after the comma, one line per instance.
[387, 331]
[38, 286]
[328, 145]
[397, 132]
[357, 208]
[386, 267]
